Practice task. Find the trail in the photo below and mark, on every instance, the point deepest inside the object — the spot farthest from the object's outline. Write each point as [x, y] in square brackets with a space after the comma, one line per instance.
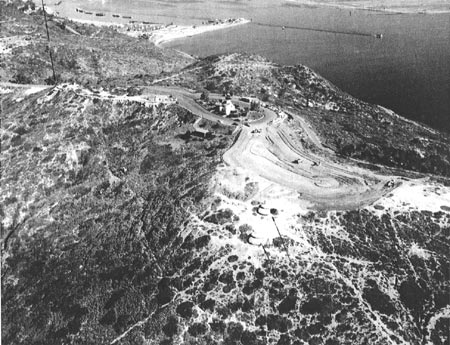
[354, 33]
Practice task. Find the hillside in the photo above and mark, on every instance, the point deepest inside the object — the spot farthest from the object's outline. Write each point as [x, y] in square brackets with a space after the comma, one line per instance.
[118, 226]
[97, 56]
[95, 196]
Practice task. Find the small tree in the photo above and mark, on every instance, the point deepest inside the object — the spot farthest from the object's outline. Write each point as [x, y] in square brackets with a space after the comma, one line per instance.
[22, 78]
[205, 96]
[255, 106]
[210, 85]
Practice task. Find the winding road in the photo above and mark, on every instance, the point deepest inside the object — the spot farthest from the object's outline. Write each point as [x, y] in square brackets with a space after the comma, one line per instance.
[271, 148]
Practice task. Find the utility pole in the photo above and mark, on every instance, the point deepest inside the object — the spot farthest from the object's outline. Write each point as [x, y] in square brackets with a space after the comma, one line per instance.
[48, 46]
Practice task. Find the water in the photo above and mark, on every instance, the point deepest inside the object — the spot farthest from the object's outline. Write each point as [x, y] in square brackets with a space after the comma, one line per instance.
[407, 71]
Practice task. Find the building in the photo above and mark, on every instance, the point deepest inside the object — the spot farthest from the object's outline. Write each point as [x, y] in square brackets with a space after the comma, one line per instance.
[201, 132]
[229, 107]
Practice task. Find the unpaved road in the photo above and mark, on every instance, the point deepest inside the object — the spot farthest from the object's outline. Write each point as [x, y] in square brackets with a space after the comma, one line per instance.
[276, 154]
[186, 99]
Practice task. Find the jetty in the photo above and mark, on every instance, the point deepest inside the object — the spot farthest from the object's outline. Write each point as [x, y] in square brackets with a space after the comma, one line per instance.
[355, 33]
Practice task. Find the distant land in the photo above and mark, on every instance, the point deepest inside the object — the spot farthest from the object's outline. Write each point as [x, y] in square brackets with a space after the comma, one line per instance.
[397, 6]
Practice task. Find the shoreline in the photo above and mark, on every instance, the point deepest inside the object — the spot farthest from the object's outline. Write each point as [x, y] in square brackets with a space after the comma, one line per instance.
[95, 22]
[158, 35]
[173, 32]
[374, 8]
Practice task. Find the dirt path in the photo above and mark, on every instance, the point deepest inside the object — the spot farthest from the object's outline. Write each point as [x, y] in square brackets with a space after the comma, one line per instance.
[276, 156]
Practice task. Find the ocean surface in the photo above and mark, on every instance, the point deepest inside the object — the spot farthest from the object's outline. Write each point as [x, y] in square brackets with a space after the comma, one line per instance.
[408, 70]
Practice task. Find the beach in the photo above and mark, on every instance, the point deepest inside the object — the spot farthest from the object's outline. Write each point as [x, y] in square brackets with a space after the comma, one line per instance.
[173, 32]
[157, 33]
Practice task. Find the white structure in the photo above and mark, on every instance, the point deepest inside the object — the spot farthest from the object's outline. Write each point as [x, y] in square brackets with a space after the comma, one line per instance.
[229, 107]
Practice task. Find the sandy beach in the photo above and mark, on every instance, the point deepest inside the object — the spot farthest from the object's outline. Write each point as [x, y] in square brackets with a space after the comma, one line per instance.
[396, 6]
[173, 32]
[157, 34]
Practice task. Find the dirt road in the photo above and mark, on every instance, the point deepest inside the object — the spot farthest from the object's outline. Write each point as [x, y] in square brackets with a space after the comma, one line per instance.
[277, 155]
[186, 99]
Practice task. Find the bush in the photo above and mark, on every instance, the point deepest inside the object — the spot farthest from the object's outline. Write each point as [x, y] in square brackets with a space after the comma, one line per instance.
[21, 78]
[204, 96]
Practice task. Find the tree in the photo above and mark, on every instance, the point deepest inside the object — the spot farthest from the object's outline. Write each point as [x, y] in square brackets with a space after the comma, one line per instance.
[205, 96]
[210, 85]
[255, 106]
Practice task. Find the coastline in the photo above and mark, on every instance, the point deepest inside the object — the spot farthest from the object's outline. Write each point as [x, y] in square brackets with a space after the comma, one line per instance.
[159, 35]
[95, 22]
[174, 32]
[360, 6]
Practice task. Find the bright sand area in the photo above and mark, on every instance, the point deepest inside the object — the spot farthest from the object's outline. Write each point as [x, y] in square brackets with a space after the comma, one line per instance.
[173, 32]
[160, 35]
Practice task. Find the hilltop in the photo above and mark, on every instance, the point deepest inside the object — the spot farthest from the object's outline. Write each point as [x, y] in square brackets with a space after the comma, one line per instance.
[346, 125]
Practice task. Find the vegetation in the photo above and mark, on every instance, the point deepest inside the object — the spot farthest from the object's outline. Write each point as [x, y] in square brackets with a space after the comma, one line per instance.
[105, 205]
[110, 231]
[98, 56]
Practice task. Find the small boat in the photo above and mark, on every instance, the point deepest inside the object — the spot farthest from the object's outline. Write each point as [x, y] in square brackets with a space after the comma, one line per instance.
[147, 23]
[126, 17]
[116, 15]
[86, 12]
[379, 36]
[79, 10]
[100, 14]
[132, 21]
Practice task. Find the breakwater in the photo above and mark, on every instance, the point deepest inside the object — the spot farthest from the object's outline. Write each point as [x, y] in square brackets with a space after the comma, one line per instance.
[283, 27]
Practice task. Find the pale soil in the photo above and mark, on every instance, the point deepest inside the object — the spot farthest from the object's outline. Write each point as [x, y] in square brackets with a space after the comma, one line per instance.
[174, 32]
[278, 156]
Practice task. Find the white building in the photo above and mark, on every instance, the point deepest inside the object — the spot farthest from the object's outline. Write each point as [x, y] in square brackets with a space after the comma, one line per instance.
[228, 107]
